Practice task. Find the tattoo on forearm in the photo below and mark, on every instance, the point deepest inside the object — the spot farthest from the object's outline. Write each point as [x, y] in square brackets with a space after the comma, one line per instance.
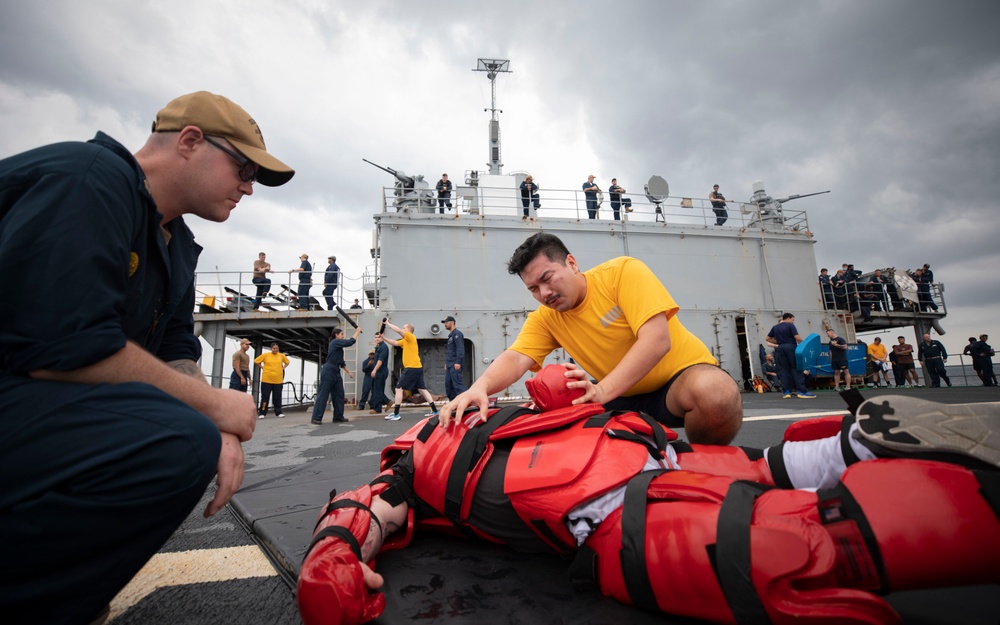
[373, 542]
[188, 367]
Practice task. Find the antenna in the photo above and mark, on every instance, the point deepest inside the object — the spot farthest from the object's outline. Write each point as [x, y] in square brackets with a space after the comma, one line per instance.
[492, 67]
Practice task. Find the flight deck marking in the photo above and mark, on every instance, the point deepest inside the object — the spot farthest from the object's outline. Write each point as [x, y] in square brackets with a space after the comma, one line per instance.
[177, 568]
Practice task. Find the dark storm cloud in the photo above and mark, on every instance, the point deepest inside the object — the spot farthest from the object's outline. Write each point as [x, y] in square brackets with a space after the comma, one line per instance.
[893, 105]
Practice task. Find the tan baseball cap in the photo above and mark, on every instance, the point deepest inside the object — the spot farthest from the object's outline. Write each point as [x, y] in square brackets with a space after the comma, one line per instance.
[221, 117]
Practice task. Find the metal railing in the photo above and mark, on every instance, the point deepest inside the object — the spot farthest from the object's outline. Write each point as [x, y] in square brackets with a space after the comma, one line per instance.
[234, 292]
[572, 204]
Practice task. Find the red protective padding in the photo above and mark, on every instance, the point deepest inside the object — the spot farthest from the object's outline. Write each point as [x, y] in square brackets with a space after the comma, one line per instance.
[549, 390]
[551, 473]
[793, 556]
[814, 429]
[725, 461]
[933, 526]
[331, 588]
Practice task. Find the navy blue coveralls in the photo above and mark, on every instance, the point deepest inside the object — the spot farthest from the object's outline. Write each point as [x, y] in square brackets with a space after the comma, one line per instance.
[454, 383]
[378, 399]
[792, 379]
[330, 284]
[331, 385]
[93, 477]
[932, 355]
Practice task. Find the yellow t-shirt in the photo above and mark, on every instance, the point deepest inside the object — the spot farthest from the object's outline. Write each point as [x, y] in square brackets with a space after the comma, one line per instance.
[273, 373]
[411, 353]
[622, 295]
[878, 352]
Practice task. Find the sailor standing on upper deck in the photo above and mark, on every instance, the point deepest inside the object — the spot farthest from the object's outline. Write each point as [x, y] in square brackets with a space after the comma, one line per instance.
[718, 206]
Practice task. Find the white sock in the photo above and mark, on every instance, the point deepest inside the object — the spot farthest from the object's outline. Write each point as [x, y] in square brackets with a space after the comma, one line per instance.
[819, 463]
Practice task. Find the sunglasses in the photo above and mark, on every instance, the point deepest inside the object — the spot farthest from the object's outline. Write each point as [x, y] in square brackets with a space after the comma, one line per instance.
[248, 169]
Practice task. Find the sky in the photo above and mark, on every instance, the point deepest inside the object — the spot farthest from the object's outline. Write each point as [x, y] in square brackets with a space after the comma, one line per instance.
[892, 105]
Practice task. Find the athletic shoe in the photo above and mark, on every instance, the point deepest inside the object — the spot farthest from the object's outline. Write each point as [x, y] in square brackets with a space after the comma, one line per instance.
[786, 396]
[392, 417]
[805, 396]
[340, 420]
[836, 389]
[896, 425]
[281, 416]
[431, 414]
[316, 422]
[260, 416]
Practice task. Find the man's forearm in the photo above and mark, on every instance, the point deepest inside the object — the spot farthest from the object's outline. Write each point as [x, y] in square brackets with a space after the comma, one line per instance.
[506, 369]
[181, 379]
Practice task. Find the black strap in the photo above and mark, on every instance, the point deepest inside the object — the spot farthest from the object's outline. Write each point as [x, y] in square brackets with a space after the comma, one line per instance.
[776, 462]
[583, 570]
[337, 505]
[845, 440]
[837, 504]
[633, 553]
[467, 455]
[681, 447]
[853, 398]
[340, 532]
[989, 487]
[733, 553]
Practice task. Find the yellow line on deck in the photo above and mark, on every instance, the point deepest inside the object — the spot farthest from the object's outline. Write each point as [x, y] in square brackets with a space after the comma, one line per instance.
[192, 567]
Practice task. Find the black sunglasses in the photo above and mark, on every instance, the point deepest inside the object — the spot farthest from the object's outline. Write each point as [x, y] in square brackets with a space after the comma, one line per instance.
[248, 169]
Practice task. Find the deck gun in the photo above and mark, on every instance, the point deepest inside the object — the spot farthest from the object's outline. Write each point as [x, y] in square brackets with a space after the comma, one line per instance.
[770, 208]
[410, 191]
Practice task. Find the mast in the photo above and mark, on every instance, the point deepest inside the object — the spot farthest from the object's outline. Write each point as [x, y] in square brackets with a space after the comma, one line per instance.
[492, 67]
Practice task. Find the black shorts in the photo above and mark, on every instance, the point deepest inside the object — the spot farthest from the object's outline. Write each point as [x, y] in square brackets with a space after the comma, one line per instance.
[411, 380]
[839, 366]
[653, 403]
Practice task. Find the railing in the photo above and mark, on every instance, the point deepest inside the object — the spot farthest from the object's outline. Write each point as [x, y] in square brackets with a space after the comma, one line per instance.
[235, 292]
[572, 204]
[864, 295]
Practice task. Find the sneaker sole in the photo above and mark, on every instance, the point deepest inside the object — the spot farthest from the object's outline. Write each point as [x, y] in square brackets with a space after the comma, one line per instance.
[918, 427]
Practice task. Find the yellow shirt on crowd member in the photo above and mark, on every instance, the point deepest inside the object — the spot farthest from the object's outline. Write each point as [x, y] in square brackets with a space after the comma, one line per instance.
[274, 367]
[411, 353]
[878, 352]
[622, 295]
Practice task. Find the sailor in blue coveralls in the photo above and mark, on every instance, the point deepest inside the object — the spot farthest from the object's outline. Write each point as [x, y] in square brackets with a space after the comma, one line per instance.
[454, 384]
[110, 433]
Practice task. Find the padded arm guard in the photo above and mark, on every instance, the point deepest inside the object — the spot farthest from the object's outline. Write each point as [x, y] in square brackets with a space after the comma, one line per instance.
[331, 587]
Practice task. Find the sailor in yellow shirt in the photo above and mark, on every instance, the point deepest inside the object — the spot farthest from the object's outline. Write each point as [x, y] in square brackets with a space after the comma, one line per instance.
[412, 377]
[271, 379]
[619, 323]
[880, 360]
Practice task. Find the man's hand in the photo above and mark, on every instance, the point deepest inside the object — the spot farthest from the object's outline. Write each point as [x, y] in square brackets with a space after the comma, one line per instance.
[592, 393]
[475, 396]
[458, 366]
[234, 412]
[373, 580]
[230, 473]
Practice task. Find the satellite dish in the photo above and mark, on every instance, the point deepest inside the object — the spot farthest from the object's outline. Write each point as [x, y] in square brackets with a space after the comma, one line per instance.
[657, 189]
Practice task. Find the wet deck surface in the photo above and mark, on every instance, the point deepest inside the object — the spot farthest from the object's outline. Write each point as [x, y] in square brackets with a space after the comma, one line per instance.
[292, 466]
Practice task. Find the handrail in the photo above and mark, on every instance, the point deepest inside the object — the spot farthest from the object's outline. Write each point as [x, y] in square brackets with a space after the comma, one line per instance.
[572, 204]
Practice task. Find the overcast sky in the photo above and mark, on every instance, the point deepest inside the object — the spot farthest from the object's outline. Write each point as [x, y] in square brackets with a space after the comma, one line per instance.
[892, 105]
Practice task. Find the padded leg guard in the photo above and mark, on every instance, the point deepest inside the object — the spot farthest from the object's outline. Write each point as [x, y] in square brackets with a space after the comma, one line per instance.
[693, 550]
[736, 552]
[935, 524]
[331, 587]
